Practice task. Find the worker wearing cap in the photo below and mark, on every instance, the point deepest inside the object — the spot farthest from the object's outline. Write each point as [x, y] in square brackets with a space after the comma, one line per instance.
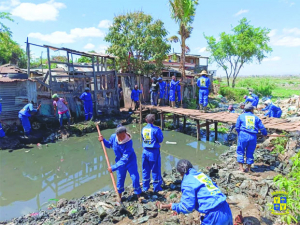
[162, 91]
[250, 99]
[2, 133]
[60, 105]
[173, 85]
[125, 160]
[135, 97]
[151, 162]
[255, 103]
[203, 83]
[178, 94]
[247, 127]
[86, 97]
[200, 193]
[273, 110]
[24, 115]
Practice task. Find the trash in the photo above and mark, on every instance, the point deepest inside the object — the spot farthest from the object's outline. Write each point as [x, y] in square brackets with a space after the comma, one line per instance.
[171, 143]
[27, 151]
[39, 144]
[173, 195]
[73, 211]
[172, 186]
[61, 203]
[53, 199]
[34, 214]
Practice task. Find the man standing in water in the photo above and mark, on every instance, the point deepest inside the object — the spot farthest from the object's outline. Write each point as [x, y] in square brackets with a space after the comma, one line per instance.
[126, 160]
[247, 127]
[152, 137]
[86, 97]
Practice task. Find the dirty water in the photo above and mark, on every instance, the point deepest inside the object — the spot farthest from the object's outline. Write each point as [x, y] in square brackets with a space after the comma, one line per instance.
[31, 177]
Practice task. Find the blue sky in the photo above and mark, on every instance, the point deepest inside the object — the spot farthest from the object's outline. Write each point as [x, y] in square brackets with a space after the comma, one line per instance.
[82, 25]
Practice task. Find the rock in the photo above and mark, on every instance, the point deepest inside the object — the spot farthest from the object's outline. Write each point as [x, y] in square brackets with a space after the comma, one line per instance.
[264, 191]
[140, 210]
[141, 220]
[62, 203]
[172, 221]
[239, 199]
[101, 211]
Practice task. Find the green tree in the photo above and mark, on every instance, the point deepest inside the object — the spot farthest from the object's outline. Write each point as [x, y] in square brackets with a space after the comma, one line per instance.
[84, 59]
[3, 28]
[183, 12]
[136, 39]
[245, 45]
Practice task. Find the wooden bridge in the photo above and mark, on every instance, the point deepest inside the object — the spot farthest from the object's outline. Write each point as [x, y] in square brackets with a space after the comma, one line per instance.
[215, 118]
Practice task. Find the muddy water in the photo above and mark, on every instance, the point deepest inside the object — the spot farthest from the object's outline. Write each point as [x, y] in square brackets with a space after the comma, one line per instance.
[76, 167]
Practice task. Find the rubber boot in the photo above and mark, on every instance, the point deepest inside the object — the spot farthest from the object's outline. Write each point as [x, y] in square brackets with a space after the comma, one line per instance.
[205, 109]
[200, 107]
[158, 102]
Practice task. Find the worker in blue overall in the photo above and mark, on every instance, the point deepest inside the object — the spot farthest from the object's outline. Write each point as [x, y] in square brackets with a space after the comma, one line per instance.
[162, 91]
[135, 97]
[24, 115]
[273, 110]
[151, 162]
[154, 91]
[255, 97]
[203, 83]
[121, 143]
[250, 99]
[173, 85]
[178, 94]
[247, 127]
[167, 95]
[86, 97]
[2, 133]
[199, 192]
[231, 109]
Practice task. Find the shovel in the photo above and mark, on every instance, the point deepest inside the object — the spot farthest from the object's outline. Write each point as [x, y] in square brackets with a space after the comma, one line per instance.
[108, 164]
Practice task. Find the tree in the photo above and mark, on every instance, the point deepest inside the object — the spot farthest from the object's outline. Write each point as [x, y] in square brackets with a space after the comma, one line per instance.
[183, 12]
[246, 45]
[136, 39]
[3, 28]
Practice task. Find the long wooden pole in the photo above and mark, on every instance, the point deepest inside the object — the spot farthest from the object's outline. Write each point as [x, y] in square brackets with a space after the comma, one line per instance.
[108, 164]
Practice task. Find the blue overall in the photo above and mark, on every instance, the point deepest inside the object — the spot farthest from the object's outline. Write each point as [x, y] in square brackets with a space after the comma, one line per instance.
[199, 192]
[266, 108]
[247, 127]
[88, 105]
[162, 89]
[251, 100]
[135, 97]
[203, 83]
[151, 161]
[167, 96]
[125, 161]
[173, 90]
[274, 111]
[2, 133]
[24, 115]
[255, 103]
[178, 92]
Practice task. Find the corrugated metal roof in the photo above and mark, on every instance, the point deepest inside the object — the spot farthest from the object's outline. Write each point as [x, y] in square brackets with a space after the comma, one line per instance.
[8, 68]
[8, 80]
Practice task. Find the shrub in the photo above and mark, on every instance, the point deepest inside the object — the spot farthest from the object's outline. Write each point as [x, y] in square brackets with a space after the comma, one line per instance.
[261, 86]
[236, 94]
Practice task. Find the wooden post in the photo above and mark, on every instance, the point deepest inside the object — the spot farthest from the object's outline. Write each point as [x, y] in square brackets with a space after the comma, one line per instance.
[216, 131]
[162, 121]
[207, 130]
[68, 58]
[28, 58]
[141, 115]
[50, 75]
[184, 124]
[95, 87]
[177, 122]
[198, 130]
[174, 120]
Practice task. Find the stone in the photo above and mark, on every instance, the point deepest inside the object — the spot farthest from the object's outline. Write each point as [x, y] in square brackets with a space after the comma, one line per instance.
[172, 221]
[101, 211]
[62, 203]
[141, 220]
[240, 200]
[140, 210]
[264, 191]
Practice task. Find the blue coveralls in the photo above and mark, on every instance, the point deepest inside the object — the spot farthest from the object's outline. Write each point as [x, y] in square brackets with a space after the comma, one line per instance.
[88, 105]
[199, 192]
[178, 92]
[203, 83]
[151, 161]
[247, 127]
[125, 161]
[2, 133]
[173, 90]
[24, 115]
[256, 100]
[251, 100]
[162, 89]
[135, 97]
[274, 111]
[266, 108]
[167, 96]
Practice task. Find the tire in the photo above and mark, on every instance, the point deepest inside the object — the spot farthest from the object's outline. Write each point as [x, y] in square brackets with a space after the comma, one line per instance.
[18, 75]
[35, 125]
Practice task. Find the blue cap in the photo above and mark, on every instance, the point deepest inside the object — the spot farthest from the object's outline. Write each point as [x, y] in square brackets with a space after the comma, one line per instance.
[159, 78]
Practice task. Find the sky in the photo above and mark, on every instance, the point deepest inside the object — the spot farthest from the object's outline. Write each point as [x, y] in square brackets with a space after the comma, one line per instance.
[82, 25]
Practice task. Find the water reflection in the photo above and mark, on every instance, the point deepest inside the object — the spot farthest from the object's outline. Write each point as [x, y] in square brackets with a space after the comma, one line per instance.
[77, 167]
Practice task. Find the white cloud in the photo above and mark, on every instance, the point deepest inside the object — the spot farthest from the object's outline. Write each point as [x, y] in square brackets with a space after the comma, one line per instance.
[275, 58]
[272, 33]
[87, 32]
[47, 11]
[295, 31]
[105, 24]
[102, 49]
[242, 11]
[7, 5]
[287, 41]
[62, 37]
[203, 49]
[89, 46]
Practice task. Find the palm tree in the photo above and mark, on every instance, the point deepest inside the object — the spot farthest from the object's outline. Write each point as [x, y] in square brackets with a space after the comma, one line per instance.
[183, 12]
